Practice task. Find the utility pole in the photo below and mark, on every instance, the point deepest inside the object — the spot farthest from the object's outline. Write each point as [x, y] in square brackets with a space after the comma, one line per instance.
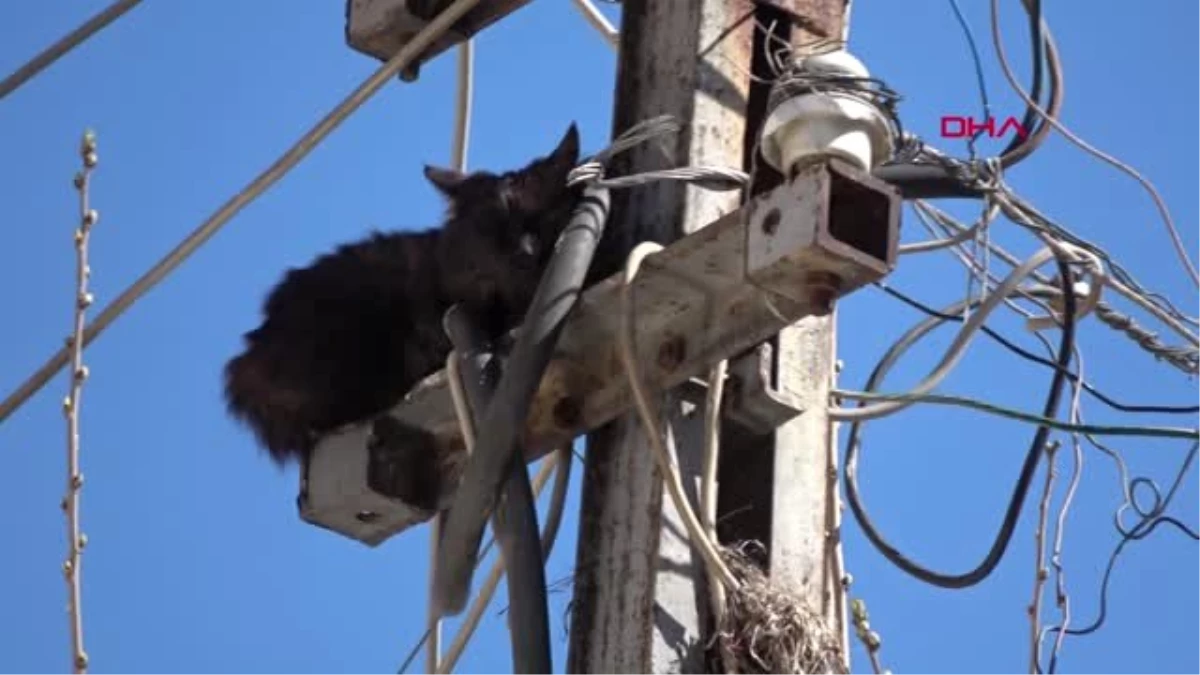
[640, 604]
[799, 518]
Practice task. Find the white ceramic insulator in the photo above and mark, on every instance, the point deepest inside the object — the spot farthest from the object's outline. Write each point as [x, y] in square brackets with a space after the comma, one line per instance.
[820, 125]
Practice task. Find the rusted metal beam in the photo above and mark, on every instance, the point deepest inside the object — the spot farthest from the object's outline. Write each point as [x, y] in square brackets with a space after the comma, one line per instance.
[714, 293]
[379, 28]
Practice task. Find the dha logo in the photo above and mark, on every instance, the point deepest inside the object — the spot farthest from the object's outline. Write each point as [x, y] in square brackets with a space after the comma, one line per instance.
[954, 126]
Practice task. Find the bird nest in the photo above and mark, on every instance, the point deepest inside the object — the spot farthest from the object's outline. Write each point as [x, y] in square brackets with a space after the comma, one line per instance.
[766, 629]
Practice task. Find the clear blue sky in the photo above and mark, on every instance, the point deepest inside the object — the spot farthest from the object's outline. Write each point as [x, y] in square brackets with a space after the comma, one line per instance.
[197, 561]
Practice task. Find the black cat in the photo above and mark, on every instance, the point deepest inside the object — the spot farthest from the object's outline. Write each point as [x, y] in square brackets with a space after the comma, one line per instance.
[346, 337]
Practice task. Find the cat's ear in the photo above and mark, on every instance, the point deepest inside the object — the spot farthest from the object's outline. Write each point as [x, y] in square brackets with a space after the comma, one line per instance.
[566, 155]
[447, 181]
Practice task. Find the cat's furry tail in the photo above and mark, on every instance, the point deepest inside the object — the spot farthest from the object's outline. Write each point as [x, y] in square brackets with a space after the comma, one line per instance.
[275, 412]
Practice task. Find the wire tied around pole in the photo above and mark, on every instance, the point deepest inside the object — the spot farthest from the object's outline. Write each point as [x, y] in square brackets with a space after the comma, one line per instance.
[801, 79]
[592, 171]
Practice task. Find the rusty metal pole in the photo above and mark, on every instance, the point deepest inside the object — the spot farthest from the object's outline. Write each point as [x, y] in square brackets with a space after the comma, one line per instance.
[799, 517]
[640, 605]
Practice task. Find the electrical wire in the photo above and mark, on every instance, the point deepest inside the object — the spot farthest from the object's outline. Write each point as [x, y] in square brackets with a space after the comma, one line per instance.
[1149, 521]
[1024, 214]
[550, 528]
[980, 80]
[957, 348]
[463, 96]
[625, 347]
[1028, 216]
[65, 44]
[561, 465]
[515, 516]
[708, 495]
[1041, 420]
[503, 419]
[410, 52]
[1033, 9]
[955, 239]
[1040, 39]
[974, 266]
[1032, 456]
[458, 160]
[1121, 281]
[600, 22]
[932, 175]
[433, 635]
[1052, 119]
[1030, 356]
[1062, 598]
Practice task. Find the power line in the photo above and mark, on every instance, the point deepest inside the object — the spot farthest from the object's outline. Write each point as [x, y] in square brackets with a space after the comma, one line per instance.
[65, 44]
[1016, 502]
[1051, 118]
[408, 53]
[1030, 356]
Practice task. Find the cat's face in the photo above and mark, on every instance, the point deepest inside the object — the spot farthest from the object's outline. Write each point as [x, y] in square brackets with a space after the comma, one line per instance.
[504, 226]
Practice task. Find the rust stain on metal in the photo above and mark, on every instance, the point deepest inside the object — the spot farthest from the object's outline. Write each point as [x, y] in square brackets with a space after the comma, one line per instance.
[822, 288]
[567, 412]
[741, 42]
[671, 352]
[770, 222]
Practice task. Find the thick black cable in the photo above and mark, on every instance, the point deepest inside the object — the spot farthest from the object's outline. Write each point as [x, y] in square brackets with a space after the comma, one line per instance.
[490, 464]
[515, 518]
[1020, 490]
[926, 181]
[1028, 355]
[1150, 518]
[934, 181]
[1036, 126]
[1033, 8]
